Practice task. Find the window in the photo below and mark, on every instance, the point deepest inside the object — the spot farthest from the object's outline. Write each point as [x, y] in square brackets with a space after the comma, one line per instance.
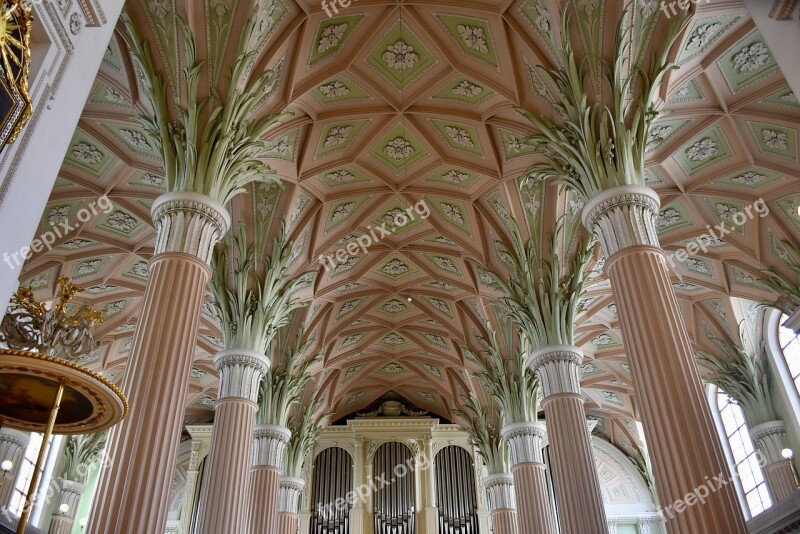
[25, 475]
[27, 464]
[790, 344]
[744, 455]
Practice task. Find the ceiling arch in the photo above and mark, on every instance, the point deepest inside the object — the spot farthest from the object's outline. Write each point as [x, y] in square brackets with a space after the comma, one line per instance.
[394, 110]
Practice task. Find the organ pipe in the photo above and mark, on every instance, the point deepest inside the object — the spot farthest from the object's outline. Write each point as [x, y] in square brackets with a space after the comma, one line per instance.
[456, 494]
[332, 482]
[394, 499]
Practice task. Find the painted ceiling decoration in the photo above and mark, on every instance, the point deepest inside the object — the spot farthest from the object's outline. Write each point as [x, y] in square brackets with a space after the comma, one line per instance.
[392, 111]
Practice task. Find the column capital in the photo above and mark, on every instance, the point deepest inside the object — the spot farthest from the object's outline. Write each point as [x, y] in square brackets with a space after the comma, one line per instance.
[240, 373]
[70, 494]
[15, 437]
[269, 445]
[525, 441]
[623, 217]
[770, 439]
[190, 223]
[500, 492]
[557, 369]
[290, 494]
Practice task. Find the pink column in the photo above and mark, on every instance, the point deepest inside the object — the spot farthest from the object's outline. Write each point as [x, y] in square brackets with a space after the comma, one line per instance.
[770, 439]
[679, 429]
[526, 441]
[223, 502]
[290, 497]
[69, 497]
[580, 503]
[502, 503]
[269, 447]
[133, 492]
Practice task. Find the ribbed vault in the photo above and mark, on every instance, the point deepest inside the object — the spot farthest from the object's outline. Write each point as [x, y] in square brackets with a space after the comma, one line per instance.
[379, 128]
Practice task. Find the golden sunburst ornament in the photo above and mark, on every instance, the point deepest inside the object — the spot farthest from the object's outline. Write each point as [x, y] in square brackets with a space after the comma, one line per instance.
[15, 48]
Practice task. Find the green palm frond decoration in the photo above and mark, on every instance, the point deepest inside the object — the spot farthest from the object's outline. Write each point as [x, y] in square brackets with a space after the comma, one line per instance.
[483, 424]
[782, 285]
[744, 376]
[505, 376]
[252, 291]
[212, 144]
[545, 284]
[283, 386]
[599, 146]
[306, 428]
[80, 453]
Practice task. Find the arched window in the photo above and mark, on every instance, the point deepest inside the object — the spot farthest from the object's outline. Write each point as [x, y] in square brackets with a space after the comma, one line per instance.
[790, 345]
[745, 460]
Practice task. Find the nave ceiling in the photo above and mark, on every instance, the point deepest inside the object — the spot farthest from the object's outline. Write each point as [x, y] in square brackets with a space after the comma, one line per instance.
[379, 127]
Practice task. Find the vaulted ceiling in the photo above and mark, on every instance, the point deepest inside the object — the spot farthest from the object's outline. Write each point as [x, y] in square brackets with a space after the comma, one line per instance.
[396, 107]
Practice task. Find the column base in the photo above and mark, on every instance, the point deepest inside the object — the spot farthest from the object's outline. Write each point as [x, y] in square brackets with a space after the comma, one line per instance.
[61, 525]
[430, 518]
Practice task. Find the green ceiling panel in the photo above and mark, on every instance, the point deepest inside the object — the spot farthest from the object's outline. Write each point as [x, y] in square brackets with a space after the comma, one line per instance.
[473, 37]
[460, 137]
[705, 150]
[513, 147]
[337, 136]
[339, 89]
[343, 210]
[789, 206]
[464, 90]
[399, 150]
[663, 130]
[89, 155]
[730, 213]
[342, 176]
[284, 146]
[704, 32]
[332, 36]
[748, 62]
[775, 140]
[452, 211]
[400, 57]
[688, 92]
[785, 98]
[753, 178]
[454, 176]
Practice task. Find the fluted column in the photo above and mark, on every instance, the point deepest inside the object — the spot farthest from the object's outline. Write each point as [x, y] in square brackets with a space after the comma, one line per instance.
[69, 496]
[526, 441]
[679, 429]
[133, 492]
[358, 512]
[269, 447]
[580, 503]
[770, 440]
[12, 446]
[428, 468]
[223, 502]
[502, 503]
[290, 494]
